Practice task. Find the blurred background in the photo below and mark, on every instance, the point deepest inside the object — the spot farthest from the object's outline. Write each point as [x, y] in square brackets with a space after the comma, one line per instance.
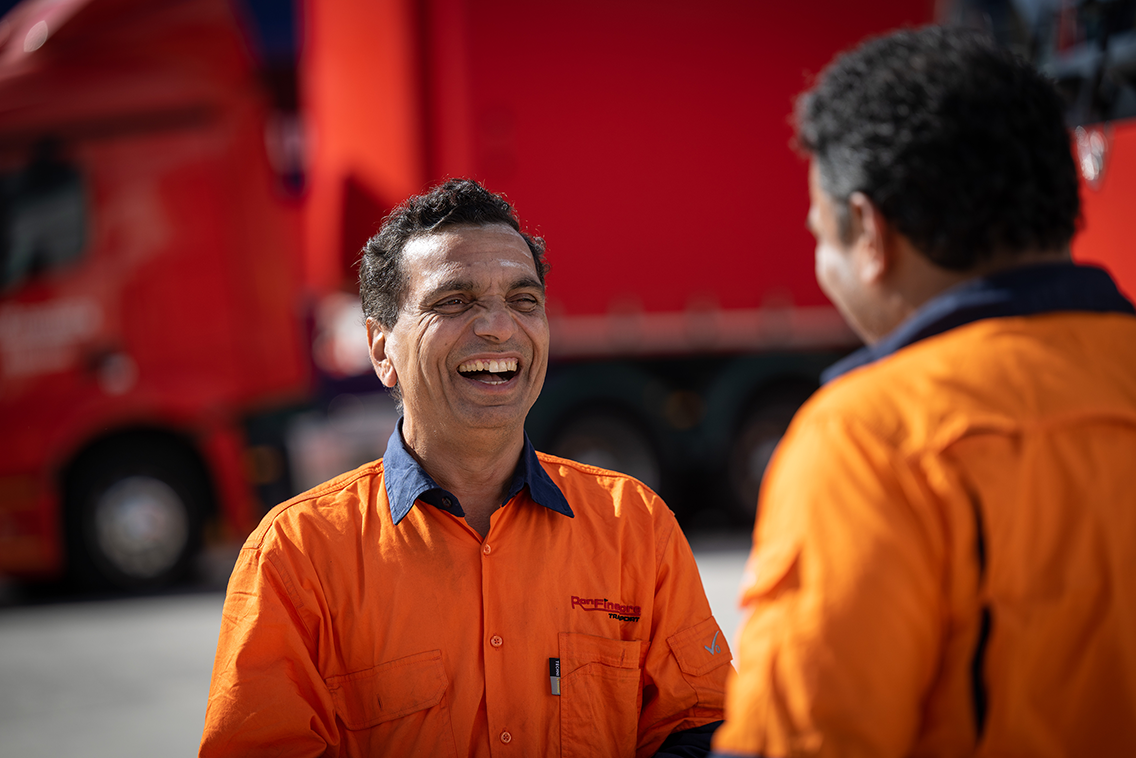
[185, 186]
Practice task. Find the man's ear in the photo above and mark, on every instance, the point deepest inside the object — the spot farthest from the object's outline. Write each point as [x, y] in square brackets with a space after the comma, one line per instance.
[872, 239]
[384, 369]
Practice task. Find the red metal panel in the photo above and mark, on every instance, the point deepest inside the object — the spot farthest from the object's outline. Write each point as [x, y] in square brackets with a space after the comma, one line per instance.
[649, 141]
[363, 100]
[1107, 211]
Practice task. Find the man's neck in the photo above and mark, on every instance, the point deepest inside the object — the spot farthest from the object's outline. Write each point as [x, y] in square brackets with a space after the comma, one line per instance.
[477, 468]
[915, 280]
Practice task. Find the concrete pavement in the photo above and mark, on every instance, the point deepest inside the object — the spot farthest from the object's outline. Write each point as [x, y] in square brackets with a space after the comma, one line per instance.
[107, 678]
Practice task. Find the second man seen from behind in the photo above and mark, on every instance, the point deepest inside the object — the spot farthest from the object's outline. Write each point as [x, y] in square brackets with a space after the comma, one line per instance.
[945, 549]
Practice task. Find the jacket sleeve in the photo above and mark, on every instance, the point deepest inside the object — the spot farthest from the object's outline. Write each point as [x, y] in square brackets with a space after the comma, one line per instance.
[266, 696]
[842, 602]
[684, 676]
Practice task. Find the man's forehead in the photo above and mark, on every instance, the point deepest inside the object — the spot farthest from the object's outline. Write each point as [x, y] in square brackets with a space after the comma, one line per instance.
[450, 237]
[467, 246]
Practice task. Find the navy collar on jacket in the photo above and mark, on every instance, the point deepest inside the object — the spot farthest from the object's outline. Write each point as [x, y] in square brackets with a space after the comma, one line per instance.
[1028, 291]
[406, 482]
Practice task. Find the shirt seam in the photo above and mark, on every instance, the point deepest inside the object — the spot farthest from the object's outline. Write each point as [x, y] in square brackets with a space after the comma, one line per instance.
[660, 550]
[336, 485]
[290, 589]
[586, 468]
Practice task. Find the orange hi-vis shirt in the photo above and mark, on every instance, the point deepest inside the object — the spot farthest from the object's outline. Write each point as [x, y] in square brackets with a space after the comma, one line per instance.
[349, 631]
[944, 559]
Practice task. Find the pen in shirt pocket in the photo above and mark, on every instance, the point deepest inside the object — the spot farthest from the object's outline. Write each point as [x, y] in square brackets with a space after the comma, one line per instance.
[554, 674]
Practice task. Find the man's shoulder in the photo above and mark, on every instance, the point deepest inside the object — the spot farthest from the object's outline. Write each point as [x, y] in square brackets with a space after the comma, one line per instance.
[894, 396]
[334, 505]
[568, 470]
[989, 373]
[600, 489]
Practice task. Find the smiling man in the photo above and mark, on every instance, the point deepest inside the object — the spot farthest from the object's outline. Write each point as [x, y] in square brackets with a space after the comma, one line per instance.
[465, 595]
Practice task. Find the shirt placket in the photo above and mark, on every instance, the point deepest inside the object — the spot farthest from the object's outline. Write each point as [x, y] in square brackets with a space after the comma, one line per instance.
[500, 645]
[503, 644]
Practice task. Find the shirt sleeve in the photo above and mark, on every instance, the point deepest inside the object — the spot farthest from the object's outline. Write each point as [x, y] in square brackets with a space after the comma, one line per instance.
[841, 601]
[266, 697]
[684, 677]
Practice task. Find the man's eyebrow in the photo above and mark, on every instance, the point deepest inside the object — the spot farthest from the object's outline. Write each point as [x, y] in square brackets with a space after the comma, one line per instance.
[468, 285]
[449, 285]
[527, 282]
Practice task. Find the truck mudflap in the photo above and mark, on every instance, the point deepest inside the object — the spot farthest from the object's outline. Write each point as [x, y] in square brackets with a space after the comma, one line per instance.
[223, 447]
[29, 545]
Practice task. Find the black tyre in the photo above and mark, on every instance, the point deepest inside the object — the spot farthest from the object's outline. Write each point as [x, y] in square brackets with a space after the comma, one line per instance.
[135, 516]
[611, 441]
[757, 436]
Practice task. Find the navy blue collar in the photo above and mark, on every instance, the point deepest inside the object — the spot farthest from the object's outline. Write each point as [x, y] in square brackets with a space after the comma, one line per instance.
[406, 482]
[1028, 291]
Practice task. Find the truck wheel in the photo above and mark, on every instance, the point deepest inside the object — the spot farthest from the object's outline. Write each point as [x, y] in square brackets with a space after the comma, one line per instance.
[136, 518]
[756, 438]
[611, 441]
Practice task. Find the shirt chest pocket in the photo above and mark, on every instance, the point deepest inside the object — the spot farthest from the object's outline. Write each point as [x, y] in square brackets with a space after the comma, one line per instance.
[398, 707]
[600, 695]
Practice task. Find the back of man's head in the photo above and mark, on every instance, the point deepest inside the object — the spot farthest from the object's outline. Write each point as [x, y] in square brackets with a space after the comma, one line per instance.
[456, 202]
[961, 145]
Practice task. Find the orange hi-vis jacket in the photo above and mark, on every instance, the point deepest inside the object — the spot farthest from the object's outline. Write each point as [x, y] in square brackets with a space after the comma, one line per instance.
[944, 559]
[354, 626]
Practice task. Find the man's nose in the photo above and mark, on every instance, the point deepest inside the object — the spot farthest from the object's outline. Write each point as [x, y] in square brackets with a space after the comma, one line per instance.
[494, 321]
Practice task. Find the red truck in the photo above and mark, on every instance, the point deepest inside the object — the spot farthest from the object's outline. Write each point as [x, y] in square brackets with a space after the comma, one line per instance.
[151, 283]
[184, 198]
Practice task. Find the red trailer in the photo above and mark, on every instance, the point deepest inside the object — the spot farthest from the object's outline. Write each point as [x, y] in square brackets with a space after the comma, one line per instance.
[648, 142]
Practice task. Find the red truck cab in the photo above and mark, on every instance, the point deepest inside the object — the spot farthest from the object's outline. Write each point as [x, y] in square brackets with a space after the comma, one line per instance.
[149, 284]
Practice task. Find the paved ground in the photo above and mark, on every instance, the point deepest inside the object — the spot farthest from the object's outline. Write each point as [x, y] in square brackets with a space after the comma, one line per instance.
[129, 677]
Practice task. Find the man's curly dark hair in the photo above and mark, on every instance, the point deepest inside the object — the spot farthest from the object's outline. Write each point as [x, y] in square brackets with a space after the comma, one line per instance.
[960, 144]
[457, 202]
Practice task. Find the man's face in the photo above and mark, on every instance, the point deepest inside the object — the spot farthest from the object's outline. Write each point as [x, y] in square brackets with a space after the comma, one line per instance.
[838, 265]
[470, 347]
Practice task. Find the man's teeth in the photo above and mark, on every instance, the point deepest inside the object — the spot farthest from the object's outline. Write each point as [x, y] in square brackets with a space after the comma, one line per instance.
[495, 367]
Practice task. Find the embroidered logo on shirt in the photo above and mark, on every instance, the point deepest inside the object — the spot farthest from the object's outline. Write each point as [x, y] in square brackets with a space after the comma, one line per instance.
[713, 647]
[618, 611]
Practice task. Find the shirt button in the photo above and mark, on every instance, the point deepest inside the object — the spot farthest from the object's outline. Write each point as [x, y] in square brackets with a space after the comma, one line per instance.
[446, 502]
[496, 641]
[486, 549]
[506, 737]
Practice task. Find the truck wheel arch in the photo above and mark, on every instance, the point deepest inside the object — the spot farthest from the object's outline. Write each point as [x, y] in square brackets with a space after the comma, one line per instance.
[612, 437]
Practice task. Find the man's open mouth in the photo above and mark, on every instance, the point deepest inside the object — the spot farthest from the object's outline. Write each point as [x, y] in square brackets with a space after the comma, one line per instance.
[491, 371]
